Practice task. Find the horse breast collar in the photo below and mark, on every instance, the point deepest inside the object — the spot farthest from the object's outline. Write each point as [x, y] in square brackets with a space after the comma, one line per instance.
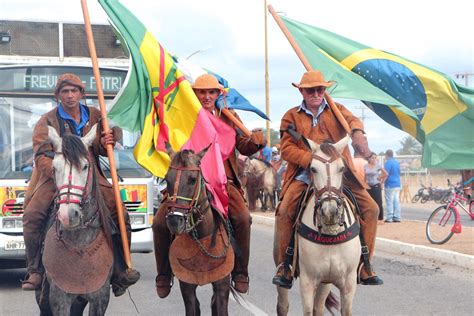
[77, 272]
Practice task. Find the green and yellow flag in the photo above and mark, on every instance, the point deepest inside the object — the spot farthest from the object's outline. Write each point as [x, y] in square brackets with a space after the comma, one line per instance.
[421, 101]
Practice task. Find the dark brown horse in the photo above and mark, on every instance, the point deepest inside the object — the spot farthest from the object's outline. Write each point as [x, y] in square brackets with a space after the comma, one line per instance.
[201, 252]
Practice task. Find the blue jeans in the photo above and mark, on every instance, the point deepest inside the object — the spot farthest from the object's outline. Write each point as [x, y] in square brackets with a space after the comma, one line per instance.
[392, 199]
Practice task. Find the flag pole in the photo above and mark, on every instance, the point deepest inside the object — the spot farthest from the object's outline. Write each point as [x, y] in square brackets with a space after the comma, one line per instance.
[105, 126]
[236, 122]
[308, 67]
[267, 93]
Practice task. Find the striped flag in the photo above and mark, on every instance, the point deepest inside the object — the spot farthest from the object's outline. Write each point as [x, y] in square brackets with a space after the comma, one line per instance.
[157, 100]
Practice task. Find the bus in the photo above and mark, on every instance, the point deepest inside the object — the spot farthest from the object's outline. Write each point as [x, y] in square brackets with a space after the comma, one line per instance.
[26, 92]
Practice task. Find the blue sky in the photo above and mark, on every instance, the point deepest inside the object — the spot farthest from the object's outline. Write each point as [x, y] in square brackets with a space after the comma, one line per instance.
[230, 35]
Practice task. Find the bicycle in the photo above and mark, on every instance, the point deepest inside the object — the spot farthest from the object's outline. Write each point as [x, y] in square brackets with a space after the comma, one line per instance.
[445, 221]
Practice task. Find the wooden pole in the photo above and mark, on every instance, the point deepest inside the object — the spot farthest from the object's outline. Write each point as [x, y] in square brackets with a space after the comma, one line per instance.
[267, 93]
[105, 125]
[308, 67]
[236, 122]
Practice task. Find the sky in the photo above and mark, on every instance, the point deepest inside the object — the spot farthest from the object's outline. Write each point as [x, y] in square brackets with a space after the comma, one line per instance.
[228, 37]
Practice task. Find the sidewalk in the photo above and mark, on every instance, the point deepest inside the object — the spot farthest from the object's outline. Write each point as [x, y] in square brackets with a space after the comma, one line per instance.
[409, 238]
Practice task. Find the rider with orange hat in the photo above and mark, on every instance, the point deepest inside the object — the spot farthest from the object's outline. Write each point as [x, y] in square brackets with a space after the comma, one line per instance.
[207, 89]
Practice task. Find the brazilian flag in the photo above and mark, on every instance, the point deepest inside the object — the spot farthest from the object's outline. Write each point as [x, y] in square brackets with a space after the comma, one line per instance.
[423, 102]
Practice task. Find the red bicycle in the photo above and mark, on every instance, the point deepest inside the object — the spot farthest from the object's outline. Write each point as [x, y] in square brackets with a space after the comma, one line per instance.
[446, 220]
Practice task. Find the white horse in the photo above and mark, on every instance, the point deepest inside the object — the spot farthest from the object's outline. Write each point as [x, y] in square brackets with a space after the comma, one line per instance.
[327, 240]
[256, 168]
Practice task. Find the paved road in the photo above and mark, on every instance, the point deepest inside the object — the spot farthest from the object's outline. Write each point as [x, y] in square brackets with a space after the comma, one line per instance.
[412, 287]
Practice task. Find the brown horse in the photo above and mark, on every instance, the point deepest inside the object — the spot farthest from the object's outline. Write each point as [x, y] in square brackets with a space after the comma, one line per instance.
[201, 252]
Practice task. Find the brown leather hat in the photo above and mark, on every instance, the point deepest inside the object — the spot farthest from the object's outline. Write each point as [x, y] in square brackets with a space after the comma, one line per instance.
[207, 82]
[312, 78]
[69, 79]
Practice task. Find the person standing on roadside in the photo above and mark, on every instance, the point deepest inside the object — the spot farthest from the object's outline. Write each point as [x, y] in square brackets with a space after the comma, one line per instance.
[375, 176]
[392, 188]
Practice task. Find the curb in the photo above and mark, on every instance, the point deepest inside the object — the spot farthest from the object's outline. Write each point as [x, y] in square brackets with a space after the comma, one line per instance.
[403, 248]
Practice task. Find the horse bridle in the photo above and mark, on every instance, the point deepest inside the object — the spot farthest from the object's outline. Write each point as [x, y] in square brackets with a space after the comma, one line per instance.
[187, 209]
[330, 193]
[67, 197]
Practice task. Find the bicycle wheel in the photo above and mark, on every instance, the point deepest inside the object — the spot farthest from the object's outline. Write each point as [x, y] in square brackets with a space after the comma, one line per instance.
[416, 198]
[439, 225]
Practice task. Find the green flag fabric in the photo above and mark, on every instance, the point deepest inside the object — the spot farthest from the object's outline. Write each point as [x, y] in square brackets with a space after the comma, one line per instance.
[423, 102]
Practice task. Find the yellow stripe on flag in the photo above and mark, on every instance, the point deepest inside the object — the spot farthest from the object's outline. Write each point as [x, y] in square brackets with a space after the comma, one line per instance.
[438, 90]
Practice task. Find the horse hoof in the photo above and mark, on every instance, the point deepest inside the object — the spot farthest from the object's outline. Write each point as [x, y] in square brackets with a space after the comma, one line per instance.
[373, 280]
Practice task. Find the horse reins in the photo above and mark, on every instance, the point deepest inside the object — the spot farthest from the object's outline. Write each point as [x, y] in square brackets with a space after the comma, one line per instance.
[330, 192]
[193, 205]
[66, 197]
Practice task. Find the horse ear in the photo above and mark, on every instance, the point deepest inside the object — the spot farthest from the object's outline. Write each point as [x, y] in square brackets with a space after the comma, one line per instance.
[312, 145]
[340, 145]
[169, 149]
[90, 136]
[203, 152]
[54, 137]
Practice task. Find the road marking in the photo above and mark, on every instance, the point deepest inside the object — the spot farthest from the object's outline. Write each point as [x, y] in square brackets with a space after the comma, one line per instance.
[250, 307]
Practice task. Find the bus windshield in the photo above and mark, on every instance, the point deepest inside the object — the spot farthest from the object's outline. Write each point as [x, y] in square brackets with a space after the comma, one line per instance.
[18, 116]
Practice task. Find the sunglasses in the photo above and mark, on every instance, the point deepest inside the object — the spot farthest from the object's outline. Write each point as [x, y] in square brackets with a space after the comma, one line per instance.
[319, 90]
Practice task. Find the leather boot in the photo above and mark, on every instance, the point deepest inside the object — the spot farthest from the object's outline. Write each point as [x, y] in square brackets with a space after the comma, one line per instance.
[241, 222]
[284, 220]
[33, 282]
[122, 277]
[162, 242]
[34, 266]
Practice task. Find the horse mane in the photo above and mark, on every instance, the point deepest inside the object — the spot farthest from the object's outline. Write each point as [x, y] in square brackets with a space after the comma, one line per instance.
[104, 213]
[329, 149]
[73, 149]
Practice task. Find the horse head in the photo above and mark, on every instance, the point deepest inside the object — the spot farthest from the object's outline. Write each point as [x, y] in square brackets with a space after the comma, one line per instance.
[186, 190]
[73, 172]
[327, 167]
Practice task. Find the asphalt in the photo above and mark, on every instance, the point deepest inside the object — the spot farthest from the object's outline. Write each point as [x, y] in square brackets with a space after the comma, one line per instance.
[411, 247]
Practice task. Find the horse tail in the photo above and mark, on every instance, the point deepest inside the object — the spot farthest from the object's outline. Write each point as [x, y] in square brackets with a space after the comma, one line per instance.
[332, 303]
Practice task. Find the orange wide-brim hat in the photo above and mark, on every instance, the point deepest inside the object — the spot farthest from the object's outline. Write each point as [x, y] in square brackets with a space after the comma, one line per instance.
[312, 78]
[207, 82]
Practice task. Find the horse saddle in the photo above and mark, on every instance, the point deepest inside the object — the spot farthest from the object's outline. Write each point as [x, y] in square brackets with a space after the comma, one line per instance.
[77, 270]
[192, 265]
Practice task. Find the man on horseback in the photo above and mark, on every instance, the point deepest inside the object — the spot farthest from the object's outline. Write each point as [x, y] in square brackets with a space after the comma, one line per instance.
[314, 120]
[70, 116]
[207, 89]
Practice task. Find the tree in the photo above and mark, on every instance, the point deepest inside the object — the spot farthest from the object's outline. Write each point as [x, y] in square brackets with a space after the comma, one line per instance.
[410, 146]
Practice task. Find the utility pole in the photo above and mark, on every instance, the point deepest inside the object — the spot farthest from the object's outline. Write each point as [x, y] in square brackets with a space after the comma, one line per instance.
[464, 76]
[267, 93]
[362, 115]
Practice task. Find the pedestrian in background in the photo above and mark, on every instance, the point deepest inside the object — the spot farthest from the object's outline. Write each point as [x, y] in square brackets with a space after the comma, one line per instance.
[375, 175]
[392, 188]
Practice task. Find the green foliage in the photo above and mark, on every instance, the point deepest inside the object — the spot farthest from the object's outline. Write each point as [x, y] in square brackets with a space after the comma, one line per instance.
[410, 146]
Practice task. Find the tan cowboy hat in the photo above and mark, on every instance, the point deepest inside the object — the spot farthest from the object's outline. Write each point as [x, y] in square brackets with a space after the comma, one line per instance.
[69, 79]
[312, 78]
[207, 82]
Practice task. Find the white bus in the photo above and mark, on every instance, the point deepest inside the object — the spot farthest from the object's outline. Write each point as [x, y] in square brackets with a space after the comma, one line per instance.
[26, 92]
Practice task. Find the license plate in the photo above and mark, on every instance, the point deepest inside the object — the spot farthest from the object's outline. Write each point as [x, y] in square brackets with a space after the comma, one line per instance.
[14, 245]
